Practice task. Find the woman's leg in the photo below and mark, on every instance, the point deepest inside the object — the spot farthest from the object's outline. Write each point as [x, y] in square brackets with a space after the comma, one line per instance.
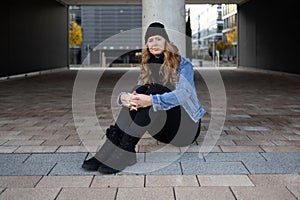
[136, 123]
[179, 129]
[162, 125]
[172, 126]
[113, 136]
[172, 129]
[133, 124]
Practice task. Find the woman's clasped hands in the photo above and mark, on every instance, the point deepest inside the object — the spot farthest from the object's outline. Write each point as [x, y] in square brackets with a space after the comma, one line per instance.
[134, 100]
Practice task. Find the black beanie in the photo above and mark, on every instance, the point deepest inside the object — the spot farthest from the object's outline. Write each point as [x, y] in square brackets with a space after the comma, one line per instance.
[156, 28]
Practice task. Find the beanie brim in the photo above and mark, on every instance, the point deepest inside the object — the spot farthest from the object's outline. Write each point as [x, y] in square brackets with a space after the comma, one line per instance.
[156, 28]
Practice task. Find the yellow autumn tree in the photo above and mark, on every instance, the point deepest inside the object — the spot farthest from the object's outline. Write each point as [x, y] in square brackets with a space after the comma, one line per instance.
[75, 34]
[231, 36]
[222, 46]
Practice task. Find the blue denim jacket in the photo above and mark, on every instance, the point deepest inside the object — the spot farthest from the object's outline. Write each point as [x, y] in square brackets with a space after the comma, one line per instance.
[184, 94]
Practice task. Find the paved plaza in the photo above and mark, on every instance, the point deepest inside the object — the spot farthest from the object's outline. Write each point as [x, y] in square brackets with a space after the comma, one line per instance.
[255, 156]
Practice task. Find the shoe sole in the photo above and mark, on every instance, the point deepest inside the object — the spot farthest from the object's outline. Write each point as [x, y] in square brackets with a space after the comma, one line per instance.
[89, 168]
[105, 170]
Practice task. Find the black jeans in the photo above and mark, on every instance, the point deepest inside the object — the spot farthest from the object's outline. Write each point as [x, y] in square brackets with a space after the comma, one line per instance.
[173, 126]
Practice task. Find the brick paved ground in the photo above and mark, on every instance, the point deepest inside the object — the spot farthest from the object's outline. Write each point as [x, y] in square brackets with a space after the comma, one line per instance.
[257, 156]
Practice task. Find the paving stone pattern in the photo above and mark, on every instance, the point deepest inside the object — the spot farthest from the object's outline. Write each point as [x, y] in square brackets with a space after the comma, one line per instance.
[256, 156]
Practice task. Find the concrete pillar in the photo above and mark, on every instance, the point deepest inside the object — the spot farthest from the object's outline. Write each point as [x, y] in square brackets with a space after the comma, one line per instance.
[171, 13]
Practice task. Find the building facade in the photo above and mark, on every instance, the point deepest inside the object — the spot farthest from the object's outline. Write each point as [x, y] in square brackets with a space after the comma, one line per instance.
[210, 31]
[229, 16]
[75, 51]
[110, 32]
[217, 32]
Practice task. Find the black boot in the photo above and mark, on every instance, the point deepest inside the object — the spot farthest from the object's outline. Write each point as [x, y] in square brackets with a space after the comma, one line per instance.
[91, 164]
[122, 157]
[113, 135]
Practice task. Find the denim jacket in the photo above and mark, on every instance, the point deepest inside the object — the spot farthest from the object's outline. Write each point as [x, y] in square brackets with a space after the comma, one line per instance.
[184, 94]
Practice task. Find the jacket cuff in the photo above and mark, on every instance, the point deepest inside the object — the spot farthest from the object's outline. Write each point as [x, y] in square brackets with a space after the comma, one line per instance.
[119, 102]
[155, 102]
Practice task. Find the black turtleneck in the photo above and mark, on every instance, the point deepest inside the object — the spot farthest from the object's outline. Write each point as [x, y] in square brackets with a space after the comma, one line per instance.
[155, 63]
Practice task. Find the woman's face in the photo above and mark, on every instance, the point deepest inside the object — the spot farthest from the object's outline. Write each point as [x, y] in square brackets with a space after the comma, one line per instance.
[156, 44]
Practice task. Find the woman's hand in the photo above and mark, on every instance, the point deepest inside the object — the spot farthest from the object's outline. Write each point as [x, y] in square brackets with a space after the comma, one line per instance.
[141, 100]
[133, 101]
[126, 100]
